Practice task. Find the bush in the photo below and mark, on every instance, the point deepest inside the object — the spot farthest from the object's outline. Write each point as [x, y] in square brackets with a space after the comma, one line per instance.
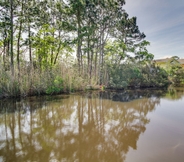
[136, 75]
[56, 86]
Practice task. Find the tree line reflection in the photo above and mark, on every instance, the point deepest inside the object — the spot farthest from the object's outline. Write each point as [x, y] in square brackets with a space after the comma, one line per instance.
[96, 126]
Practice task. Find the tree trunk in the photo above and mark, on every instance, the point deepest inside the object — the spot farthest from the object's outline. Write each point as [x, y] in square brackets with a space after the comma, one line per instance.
[91, 65]
[88, 56]
[101, 58]
[30, 46]
[11, 37]
[95, 68]
[79, 42]
[59, 47]
[19, 37]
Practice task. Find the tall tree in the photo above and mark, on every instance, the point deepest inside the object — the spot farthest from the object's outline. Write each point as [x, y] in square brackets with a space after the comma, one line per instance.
[5, 32]
[128, 33]
[11, 36]
[19, 35]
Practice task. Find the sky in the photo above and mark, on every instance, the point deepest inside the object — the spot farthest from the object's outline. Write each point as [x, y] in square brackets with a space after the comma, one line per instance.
[162, 21]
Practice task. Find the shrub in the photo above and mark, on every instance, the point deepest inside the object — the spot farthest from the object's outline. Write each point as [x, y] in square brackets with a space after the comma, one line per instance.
[135, 75]
[56, 86]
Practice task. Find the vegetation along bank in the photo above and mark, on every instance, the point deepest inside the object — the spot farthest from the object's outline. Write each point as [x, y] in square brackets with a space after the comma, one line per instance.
[52, 47]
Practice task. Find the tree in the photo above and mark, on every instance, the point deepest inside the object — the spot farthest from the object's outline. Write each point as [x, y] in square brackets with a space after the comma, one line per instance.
[5, 32]
[19, 34]
[175, 70]
[128, 33]
[141, 52]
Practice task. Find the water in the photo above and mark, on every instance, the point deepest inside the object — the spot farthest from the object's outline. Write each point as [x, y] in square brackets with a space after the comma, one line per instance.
[124, 126]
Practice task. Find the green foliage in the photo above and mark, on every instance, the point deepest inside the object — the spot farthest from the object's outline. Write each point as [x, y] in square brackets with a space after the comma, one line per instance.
[175, 71]
[115, 51]
[56, 86]
[136, 75]
[120, 76]
[44, 43]
[154, 76]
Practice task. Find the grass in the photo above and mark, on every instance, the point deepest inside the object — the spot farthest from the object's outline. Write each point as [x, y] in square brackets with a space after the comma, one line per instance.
[30, 82]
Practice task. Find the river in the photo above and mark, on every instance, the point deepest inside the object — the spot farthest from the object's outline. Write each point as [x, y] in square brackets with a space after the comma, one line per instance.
[94, 126]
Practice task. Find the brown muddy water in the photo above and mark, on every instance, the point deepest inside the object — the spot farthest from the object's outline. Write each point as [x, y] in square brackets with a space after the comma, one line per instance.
[123, 126]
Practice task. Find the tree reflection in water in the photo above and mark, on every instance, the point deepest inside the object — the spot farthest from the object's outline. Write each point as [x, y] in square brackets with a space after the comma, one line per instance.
[96, 126]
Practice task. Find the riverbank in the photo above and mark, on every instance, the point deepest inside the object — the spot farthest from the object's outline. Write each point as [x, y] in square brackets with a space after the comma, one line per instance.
[88, 88]
[64, 79]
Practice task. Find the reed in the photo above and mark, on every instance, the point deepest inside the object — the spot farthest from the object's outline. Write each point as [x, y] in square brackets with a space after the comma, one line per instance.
[34, 81]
